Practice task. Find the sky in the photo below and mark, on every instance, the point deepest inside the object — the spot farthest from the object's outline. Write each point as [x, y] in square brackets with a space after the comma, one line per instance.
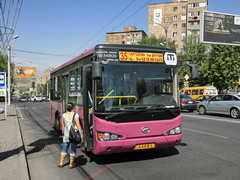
[64, 29]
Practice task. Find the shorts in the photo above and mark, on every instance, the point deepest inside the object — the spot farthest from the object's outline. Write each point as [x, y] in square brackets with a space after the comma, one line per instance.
[65, 147]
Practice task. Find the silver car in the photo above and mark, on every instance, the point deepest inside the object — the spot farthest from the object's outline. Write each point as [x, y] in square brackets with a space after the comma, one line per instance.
[228, 104]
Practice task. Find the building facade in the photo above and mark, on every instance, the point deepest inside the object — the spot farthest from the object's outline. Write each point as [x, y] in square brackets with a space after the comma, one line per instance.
[42, 83]
[130, 35]
[176, 20]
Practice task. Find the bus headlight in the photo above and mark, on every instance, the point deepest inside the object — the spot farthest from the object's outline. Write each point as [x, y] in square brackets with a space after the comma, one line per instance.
[105, 136]
[174, 131]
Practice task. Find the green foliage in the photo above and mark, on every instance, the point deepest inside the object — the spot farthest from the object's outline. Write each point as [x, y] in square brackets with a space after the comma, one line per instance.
[3, 63]
[193, 52]
[223, 66]
[218, 64]
[43, 88]
[159, 42]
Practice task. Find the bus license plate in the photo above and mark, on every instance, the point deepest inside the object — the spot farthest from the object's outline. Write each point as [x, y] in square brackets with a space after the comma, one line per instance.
[145, 146]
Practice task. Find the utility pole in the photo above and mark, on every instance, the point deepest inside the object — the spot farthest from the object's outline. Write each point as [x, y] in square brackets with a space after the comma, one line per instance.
[9, 75]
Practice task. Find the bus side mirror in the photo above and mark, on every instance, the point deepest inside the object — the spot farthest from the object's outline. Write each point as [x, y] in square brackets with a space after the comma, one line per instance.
[194, 71]
[96, 70]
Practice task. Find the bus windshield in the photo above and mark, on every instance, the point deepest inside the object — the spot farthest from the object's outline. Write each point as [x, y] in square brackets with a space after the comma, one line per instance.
[128, 86]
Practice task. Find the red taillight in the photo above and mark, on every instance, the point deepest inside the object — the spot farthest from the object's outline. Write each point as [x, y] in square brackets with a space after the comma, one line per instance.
[182, 102]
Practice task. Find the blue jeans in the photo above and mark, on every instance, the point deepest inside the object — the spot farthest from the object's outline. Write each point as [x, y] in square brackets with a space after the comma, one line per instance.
[65, 147]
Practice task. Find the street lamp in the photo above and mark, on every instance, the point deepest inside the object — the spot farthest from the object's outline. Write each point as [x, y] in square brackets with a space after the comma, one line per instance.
[9, 70]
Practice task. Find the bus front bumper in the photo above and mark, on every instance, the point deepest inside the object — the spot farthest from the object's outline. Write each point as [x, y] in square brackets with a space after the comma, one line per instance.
[128, 145]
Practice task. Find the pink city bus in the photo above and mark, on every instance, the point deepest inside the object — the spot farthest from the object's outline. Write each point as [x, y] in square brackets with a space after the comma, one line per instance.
[126, 95]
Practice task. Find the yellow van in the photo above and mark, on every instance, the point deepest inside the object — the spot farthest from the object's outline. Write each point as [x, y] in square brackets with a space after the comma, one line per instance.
[195, 92]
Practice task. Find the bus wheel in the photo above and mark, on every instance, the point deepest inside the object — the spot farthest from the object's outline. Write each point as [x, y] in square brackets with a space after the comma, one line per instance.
[235, 113]
[202, 110]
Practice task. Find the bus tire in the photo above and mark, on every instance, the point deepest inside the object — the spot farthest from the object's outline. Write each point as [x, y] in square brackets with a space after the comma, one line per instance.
[202, 110]
[235, 113]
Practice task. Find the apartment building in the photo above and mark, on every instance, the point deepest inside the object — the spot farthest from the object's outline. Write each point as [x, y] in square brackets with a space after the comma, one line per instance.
[175, 20]
[130, 35]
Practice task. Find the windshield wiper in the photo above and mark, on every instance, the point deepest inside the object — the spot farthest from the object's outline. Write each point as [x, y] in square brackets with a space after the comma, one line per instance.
[126, 112]
[136, 110]
[162, 107]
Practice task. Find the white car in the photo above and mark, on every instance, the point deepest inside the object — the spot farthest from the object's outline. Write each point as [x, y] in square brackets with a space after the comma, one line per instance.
[45, 98]
[36, 98]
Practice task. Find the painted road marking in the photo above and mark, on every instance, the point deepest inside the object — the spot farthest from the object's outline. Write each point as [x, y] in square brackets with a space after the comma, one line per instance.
[213, 119]
[206, 133]
[98, 172]
[20, 113]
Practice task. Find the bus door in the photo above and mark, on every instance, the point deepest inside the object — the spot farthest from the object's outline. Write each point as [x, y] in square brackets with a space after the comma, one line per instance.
[65, 90]
[87, 108]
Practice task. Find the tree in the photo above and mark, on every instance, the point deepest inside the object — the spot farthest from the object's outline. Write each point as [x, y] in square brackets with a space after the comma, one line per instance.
[218, 64]
[159, 42]
[193, 52]
[3, 63]
[223, 66]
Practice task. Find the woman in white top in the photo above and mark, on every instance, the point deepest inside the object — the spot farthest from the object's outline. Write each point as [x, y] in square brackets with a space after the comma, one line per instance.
[66, 122]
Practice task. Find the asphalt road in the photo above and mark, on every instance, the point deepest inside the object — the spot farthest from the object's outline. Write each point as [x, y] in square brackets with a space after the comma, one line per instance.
[210, 150]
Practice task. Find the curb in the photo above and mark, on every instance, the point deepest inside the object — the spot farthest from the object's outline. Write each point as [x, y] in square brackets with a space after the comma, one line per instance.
[23, 166]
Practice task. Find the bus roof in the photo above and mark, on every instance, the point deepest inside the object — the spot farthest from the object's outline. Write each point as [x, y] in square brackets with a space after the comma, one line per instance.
[199, 87]
[133, 47]
[112, 46]
[84, 54]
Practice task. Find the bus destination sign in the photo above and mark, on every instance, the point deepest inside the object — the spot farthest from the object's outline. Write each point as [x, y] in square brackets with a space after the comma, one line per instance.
[140, 57]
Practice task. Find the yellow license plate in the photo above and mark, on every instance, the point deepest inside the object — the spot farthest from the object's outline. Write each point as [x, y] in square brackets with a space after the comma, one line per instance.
[145, 146]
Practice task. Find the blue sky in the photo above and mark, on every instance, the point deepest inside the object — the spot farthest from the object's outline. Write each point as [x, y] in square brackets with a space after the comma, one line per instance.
[68, 27]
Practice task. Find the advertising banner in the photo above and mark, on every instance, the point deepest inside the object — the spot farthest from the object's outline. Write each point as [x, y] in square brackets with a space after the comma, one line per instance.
[157, 17]
[25, 72]
[219, 28]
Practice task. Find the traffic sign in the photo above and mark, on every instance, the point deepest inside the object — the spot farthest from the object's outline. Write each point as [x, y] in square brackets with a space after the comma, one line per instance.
[2, 79]
[186, 77]
[2, 84]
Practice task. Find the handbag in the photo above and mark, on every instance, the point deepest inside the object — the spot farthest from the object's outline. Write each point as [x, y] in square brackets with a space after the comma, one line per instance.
[74, 135]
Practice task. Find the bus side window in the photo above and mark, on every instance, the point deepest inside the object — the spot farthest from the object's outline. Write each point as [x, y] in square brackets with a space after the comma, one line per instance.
[201, 91]
[188, 92]
[195, 92]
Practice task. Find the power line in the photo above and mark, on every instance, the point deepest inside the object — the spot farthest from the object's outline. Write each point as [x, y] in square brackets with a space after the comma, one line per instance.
[115, 17]
[127, 18]
[10, 12]
[42, 53]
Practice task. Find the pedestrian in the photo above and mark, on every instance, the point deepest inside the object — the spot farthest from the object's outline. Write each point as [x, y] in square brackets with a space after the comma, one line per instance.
[66, 122]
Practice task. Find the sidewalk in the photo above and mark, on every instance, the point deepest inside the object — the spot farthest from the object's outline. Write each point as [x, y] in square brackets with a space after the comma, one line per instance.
[13, 164]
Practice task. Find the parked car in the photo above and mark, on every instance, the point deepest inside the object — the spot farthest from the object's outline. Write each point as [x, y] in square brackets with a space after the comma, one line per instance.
[29, 98]
[228, 104]
[188, 103]
[32, 98]
[23, 99]
[2, 99]
[45, 98]
[14, 99]
[203, 98]
[37, 98]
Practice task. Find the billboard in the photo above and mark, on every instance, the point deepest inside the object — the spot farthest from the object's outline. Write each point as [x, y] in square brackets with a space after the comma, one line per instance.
[157, 17]
[219, 28]
[24, 72]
